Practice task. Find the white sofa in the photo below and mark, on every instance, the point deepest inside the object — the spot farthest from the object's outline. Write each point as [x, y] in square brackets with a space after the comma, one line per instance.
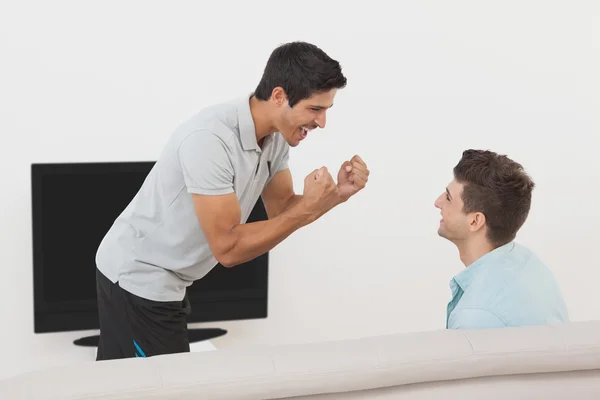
[542, 362]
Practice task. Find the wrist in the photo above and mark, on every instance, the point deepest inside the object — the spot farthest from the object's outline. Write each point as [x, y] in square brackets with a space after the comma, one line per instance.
[342, 198]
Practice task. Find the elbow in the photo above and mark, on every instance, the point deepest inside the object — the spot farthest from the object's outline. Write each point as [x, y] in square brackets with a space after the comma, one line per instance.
[224, 251]
[226, 260]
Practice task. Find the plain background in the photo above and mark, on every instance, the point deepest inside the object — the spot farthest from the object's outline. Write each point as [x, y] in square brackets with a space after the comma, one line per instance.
[110, 80]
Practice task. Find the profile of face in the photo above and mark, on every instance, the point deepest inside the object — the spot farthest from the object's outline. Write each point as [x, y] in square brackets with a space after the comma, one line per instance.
[456, 225]
[295, 123]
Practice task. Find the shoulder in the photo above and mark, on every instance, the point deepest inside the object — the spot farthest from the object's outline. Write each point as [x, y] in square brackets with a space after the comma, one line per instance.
[521, 253]
[218, 122]
[509, 282]
[495, 281]
[205, 149]
[502, 270]
[531, 265]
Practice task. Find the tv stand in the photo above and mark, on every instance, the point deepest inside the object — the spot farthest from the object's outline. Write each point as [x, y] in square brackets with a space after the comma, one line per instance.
[195, 335]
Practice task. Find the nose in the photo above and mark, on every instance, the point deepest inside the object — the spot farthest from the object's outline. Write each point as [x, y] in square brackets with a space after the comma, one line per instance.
[437, 203]
[321, 120]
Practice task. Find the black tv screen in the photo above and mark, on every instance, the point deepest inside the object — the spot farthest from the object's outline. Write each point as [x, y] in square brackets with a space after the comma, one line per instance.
[73, 207]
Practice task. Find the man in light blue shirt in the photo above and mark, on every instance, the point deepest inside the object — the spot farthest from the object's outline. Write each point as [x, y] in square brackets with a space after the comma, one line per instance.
[504, 283]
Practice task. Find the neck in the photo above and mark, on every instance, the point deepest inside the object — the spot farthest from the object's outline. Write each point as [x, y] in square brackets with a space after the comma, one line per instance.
[472, 250]
[263, 120]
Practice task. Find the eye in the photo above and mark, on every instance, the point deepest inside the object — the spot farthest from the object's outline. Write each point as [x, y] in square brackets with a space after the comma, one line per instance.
[447, 197]
[316, 109]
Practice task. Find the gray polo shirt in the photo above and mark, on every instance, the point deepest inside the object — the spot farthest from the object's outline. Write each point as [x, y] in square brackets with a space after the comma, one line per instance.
[155, 248]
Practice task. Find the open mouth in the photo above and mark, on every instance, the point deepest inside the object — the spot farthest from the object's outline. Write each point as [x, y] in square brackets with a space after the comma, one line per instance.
[303, 131]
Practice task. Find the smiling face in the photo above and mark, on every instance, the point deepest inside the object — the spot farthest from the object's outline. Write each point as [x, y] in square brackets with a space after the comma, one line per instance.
[487, 201]
[456, 225]
[299, 84]
[295, 123]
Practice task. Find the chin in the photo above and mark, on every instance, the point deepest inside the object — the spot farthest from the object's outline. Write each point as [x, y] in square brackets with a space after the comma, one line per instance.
[442, 234]
[293, 138]
[291, 141]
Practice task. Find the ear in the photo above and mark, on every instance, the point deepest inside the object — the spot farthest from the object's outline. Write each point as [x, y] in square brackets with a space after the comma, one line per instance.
[279, 96]
[476, 221]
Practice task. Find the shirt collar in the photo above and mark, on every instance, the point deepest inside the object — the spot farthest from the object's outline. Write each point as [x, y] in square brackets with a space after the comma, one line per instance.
[246, 125]
[466, 276]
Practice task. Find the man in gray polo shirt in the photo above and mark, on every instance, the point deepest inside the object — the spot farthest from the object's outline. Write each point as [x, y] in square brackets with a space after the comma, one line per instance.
[191, 211]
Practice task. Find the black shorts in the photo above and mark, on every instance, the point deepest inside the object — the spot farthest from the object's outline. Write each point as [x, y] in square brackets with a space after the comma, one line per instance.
[131, 326]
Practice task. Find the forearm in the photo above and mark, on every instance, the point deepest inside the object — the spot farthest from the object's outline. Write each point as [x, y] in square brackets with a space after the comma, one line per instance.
[275, 206]
[295, 199]
[251, 240]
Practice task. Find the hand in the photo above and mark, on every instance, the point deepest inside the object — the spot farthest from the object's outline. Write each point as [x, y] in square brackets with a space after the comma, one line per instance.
[352, 178]
[320, 192]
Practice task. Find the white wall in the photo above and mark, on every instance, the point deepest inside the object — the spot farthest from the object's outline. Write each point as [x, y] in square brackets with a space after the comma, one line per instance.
[110, 80]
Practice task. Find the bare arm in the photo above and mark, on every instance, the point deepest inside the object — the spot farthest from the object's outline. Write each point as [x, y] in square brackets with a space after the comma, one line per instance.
[205, 162]
[233, 243]
[279, 194]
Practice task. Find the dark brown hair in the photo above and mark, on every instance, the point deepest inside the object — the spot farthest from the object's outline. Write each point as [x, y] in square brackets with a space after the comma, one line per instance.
[301, 69]
[498, 187]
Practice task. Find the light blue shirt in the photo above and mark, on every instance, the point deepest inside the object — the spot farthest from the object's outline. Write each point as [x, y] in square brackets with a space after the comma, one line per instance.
[509, 286]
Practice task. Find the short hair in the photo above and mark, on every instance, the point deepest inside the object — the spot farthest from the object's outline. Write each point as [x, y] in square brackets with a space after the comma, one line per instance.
[301, 69]
[499, 188]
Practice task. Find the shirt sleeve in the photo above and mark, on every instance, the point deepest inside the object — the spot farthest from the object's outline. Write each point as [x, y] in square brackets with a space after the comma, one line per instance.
[280, 160]
[206, 164]
[283, 159]
[474, 318]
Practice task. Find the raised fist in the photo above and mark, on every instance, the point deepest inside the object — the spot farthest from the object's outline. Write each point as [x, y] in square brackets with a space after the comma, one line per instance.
[320, 192]
[352, 177]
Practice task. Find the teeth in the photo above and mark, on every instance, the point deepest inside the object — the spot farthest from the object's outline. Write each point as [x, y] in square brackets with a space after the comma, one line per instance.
[304, 131]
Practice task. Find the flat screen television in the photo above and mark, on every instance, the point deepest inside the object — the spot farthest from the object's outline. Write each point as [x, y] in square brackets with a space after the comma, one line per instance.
[73, 207]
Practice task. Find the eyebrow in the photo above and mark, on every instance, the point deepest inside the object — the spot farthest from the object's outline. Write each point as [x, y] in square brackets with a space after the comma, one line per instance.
[448, 193]
[320, 107]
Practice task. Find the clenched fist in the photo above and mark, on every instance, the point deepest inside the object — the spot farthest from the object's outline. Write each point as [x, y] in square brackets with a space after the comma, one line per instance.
[321, 193]
[352, 177]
